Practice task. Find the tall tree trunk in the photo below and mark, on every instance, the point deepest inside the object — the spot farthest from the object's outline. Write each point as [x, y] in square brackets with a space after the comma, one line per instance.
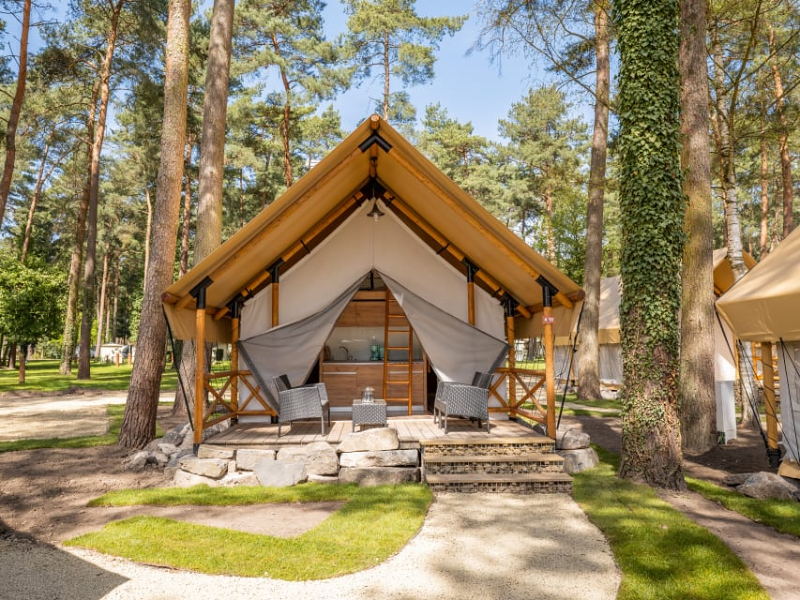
[550, 236]
[386, 73]
[113, 330]
[73, 279]
[649, 177]
[139, 421]
[187, 209]
[208, 234]
[698, 402]
[783, 139]
[208, 231]
[102, 307]
[287, 108]
[148, 231]
[764, 229]
[589, 349]
[37, 190]
[16, 109]
[88, 283]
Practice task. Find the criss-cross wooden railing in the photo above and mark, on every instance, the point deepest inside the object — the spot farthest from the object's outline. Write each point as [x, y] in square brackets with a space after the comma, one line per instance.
[224, 404]
[521, 399]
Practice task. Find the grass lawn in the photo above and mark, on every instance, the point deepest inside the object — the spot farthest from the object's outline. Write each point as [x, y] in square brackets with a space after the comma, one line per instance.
[782, 515]
[43, 376]
[663, 555]
[374, 524]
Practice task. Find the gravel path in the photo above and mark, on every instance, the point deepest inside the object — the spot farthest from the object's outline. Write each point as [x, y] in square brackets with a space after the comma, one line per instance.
[480, 546]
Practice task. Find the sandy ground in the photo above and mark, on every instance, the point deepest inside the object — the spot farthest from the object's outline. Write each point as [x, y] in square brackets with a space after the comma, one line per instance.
[44, 493]
[481, 547]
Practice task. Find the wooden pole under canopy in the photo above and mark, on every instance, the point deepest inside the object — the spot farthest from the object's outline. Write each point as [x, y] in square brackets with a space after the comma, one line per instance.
[548, 291]
[773, 452]
[199, 293]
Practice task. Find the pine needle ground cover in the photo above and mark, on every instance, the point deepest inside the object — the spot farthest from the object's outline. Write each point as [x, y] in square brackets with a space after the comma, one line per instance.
[373, 524]
[662, 554]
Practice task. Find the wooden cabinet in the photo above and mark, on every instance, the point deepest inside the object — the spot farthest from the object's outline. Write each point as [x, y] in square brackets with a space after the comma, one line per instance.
[341, 382]
[344, 381]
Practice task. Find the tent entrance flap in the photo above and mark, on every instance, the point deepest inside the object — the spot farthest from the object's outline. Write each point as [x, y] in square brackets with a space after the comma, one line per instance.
[292, 348]
[455, 348]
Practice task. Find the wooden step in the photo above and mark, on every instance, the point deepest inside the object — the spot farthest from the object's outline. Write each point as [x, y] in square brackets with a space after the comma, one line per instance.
[453, 446]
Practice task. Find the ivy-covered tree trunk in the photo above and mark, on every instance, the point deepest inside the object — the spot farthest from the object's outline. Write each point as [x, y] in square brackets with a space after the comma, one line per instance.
[589, 350]
[652, 210]
[698, 403]
[139, 421]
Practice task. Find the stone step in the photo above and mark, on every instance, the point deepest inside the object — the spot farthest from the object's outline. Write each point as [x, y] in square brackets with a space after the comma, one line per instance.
[539, 462]
[529, 483]
[494, 446]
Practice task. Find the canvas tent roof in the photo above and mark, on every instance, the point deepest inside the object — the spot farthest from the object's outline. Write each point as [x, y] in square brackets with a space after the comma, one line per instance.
[374, 158]
[610, 298]
[764, 305]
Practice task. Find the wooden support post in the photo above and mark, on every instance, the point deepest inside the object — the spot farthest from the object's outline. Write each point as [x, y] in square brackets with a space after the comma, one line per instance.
[768, 382]
[199, 374]
[548, 292]
[512, 359]
[199, 293]
[471, 270]
[275, 273]
[235, 308]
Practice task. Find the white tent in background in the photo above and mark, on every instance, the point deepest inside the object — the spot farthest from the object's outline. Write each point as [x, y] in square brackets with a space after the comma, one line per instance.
[611, 351]
[764, 306]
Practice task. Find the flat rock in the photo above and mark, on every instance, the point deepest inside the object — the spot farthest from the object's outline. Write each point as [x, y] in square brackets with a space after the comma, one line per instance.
[246, 459]
[168, 449]
[215, 468]
[576, 461]
[379, 476]
[324, 478]
[186, 479]
[137, 461]
[280, 473]
[572, 439]
[207, 451]
[233, 479]
[734, 479]
[380, 458]
[175, 436]
[768, 485]
[380, 438]
[319, 457]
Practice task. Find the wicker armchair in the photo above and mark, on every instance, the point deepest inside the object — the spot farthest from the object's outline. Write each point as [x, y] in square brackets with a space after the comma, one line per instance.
[308, 401]
[463, 400]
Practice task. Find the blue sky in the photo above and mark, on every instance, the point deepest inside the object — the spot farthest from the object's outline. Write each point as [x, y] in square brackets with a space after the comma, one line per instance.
[470, 87]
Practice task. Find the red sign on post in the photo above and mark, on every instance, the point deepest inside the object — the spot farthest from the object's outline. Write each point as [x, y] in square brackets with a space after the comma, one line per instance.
[548, 320]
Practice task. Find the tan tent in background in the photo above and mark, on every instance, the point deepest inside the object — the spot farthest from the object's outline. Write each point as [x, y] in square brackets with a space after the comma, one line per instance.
[764, 306]
[304, 253]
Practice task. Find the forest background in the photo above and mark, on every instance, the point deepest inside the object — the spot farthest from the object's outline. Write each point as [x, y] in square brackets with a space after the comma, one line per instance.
[85, 103]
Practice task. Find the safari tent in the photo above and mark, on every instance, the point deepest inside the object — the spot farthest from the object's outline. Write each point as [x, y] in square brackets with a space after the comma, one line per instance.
[764, 307]
[611, 352]
[372, 234]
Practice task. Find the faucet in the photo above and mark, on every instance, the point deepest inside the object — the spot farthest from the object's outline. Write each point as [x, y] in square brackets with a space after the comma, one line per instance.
[347, 355]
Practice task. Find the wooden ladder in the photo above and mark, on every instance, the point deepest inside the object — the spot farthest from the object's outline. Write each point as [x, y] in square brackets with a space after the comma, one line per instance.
[397, 324]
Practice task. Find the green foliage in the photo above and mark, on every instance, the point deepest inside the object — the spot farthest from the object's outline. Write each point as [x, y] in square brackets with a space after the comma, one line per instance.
[31, 301]
[661, 553]
[388, 36]
[374, 524]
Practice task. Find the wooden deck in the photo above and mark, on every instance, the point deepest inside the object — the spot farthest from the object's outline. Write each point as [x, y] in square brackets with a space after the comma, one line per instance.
[410, 429]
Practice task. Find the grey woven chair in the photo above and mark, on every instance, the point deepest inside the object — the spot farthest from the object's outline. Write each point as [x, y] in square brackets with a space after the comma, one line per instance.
[308, 401]
[463, 400]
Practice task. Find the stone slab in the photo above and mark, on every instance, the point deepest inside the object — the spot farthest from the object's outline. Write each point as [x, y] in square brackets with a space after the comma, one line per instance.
[382, 458]
[381, 438]
[206, 451]
[280, 473]
[379, 476]
[215, 468]
[247, 458]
